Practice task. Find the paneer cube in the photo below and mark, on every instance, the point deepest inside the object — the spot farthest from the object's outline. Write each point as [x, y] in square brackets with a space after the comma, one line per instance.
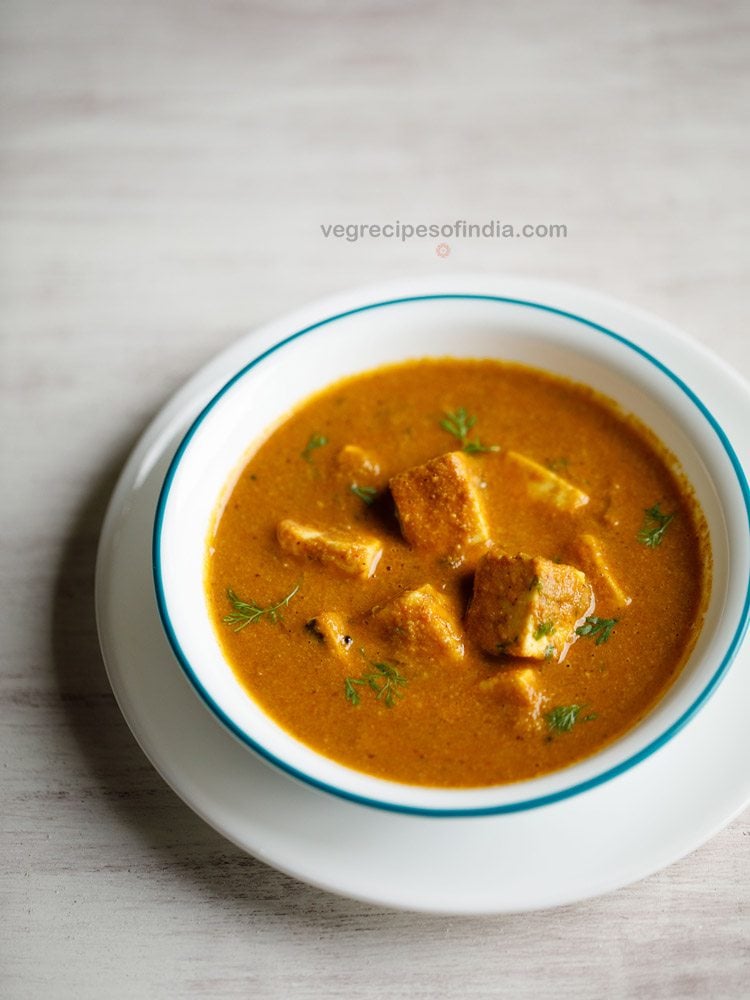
[331, 629]
[353, 555]
[420, 621]
[439, 505]
[588, 553]
[527, 606]
[360, 466]
[542, 484]
[519, 686]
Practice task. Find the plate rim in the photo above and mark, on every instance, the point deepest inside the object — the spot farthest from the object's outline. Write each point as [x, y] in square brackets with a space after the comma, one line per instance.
[634, 857]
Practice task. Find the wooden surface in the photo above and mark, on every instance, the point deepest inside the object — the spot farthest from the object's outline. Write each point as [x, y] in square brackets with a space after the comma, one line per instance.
[165, 170]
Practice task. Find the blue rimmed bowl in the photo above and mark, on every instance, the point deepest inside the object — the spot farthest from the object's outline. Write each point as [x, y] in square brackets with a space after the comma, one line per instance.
[624, 354]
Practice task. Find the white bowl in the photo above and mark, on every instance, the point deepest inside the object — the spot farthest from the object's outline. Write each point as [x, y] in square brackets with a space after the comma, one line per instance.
[509, 326]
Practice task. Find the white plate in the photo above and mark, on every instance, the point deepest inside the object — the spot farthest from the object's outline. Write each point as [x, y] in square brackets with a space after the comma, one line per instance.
[601, 839]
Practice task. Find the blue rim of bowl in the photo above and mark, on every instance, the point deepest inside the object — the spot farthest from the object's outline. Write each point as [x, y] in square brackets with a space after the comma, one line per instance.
[523, 805]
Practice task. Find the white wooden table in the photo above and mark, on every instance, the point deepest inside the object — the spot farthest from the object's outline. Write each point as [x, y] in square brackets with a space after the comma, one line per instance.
[166, 168]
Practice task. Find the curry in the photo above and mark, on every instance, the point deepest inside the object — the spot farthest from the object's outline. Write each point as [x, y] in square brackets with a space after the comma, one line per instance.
[458, 573]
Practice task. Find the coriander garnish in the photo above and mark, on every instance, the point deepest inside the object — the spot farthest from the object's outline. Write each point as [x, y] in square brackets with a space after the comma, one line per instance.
[544, 628]
[384, 680]
[599, 627]
[314, 441]
[655, 523]
[352, 695]
[248, 612]
[366, 494]
[459, 423]
[564, 717]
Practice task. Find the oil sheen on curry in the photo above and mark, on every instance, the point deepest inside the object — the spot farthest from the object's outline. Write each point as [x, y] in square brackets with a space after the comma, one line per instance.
[458, 573]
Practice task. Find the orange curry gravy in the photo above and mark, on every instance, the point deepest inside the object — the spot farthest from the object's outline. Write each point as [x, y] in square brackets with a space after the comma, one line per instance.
[447, 728]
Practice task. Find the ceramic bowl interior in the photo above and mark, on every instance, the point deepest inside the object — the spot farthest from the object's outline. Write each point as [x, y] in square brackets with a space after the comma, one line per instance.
[244, 412]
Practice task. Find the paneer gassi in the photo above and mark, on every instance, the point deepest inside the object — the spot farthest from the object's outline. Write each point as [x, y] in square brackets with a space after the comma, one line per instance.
[405, 580]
